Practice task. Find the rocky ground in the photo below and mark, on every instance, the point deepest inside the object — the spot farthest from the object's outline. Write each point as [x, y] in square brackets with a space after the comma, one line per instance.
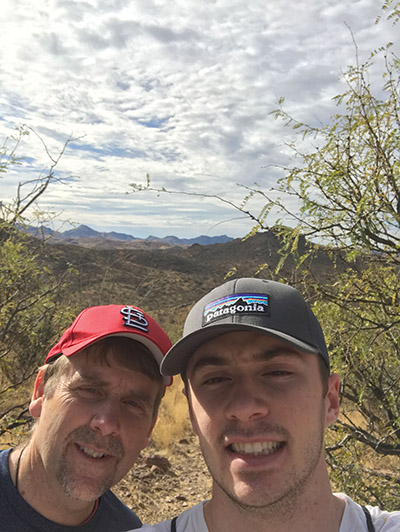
[163, 485]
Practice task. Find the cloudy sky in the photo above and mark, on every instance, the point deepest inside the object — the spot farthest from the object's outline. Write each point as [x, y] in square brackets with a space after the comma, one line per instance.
[181, 90]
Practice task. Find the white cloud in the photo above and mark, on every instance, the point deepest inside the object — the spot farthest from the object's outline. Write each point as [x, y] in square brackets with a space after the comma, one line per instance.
[181, 90]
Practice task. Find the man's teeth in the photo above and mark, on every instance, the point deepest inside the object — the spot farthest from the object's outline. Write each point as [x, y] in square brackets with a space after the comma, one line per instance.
[91, 453]
[256, 448]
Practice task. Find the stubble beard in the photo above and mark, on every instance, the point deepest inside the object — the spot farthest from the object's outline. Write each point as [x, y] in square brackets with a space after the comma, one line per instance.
[74, 481]
[280, 505]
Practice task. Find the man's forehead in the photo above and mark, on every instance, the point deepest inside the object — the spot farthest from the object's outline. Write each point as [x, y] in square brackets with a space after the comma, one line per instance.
[244, 340]
[91, 358]
[103, 368]
[93, 367]
[254, 347]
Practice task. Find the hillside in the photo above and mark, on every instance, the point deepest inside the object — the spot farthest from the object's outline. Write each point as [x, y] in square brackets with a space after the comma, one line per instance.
[165, 282]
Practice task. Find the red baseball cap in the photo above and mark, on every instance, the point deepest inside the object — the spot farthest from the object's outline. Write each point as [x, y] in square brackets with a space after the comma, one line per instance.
[95, 323]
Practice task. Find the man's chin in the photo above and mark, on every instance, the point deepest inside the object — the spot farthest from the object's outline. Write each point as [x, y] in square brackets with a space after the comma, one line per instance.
[252, 496]
[85, 496]
[84, 490]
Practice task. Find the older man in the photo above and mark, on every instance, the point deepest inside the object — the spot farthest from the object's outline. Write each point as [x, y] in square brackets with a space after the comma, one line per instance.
[95, 402]
[256, 371]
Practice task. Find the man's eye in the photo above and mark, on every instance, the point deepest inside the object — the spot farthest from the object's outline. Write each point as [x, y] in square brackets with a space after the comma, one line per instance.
[132, 402]
[278, 373]
[88, 391]
[214, 380]
[138, 407]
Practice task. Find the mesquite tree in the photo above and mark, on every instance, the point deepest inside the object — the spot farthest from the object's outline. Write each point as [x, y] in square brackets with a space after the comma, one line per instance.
[346, 179]
[30, 292]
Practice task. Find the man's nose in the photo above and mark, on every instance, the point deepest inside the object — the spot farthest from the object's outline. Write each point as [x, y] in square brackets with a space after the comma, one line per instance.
[247, 401]
[106, 418]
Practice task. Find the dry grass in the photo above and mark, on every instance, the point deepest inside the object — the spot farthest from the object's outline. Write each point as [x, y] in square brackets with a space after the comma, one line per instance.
[173, 422]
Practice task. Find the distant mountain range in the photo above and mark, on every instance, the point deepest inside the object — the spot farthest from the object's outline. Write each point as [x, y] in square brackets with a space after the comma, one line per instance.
[167, 280]
[88, 237]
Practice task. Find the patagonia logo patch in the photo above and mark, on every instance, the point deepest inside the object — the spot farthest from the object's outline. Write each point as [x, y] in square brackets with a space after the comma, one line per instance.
[256, 304]
[134, 318]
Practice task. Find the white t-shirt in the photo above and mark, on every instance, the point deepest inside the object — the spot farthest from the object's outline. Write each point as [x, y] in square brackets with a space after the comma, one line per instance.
[353, 519]
[192, 520]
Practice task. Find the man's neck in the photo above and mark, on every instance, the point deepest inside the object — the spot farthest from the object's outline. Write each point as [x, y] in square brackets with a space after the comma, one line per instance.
[43, 494]
[312, 513]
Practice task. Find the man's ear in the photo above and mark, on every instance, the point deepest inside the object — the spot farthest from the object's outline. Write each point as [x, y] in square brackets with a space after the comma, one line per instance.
[35, 406]
[332, 400]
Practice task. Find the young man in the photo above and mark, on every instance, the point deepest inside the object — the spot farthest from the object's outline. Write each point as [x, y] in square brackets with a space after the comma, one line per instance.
[95, 403]
[256, 371]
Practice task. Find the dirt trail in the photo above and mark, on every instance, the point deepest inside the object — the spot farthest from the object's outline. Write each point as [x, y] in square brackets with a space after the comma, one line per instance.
[160, 486]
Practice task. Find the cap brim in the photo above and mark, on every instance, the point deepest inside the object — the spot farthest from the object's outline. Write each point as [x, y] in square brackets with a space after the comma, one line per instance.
[175, 361]
[151, 346]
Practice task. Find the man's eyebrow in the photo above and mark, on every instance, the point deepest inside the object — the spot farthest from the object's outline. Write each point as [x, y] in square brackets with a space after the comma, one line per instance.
[88, 377]
[269, 354]
[209, 360]
[265, 355]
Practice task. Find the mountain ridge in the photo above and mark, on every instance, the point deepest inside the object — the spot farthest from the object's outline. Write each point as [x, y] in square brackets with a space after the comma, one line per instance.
[86, 236]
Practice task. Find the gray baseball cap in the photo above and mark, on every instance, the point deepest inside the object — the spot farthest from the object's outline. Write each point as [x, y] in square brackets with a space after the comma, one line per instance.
[248, 304]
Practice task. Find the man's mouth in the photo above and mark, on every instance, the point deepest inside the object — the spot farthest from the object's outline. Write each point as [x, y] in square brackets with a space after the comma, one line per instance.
[256, 448]
[92, 454]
